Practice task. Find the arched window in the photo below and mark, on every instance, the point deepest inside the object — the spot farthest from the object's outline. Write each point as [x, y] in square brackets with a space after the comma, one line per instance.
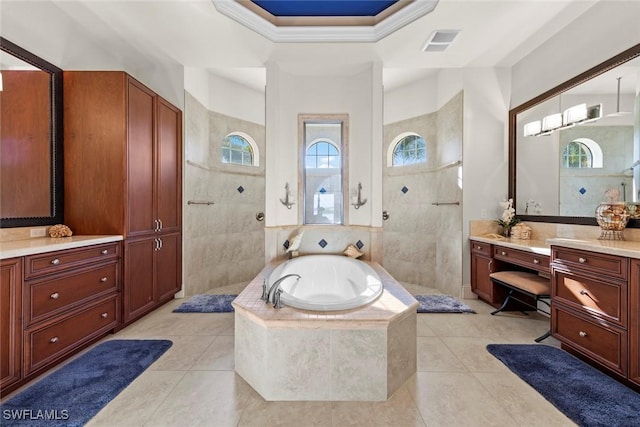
[582, 153]
[322, 155]
[240, 149]
[407, 149]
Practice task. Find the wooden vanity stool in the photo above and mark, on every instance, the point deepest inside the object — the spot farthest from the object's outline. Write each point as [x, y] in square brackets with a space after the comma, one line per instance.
[527, 284]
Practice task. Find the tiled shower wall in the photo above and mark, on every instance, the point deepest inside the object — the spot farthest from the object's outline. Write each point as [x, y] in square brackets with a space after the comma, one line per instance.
[422, 241]
[224, 243]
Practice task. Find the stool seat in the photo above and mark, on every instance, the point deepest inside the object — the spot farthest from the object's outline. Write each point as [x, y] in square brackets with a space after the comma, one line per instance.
[529, 282]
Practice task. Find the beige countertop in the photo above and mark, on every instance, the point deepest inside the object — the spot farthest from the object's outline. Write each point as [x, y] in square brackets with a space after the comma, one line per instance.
[18, 248]
[625, 248]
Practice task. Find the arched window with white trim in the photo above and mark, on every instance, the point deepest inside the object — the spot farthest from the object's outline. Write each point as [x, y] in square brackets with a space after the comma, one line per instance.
[407, 149]
[582, 153]
[240, 149]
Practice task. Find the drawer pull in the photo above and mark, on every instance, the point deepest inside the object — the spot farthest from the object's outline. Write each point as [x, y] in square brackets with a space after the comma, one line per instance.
[53, 340]
[535, 261]
[103, 279]
[479, 248]
[104, 315]
[583, 292]
[582, 260]
[55, 261]
[582, 334]
[54, 295]
[503, 253]
[104, 251]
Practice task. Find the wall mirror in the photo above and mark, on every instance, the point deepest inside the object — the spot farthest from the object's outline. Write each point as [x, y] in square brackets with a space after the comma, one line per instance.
[571, 144]
[31, 178]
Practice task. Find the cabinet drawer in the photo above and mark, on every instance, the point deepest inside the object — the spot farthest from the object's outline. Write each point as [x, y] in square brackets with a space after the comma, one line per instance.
[607, 265]
[481, 248]
[598, 340]
[600, 298]
[53, 296]
[523, 258]
[51, 262]
[45, 344]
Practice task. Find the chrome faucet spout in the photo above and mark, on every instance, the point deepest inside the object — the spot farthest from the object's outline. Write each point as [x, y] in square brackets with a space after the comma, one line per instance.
[276, 288]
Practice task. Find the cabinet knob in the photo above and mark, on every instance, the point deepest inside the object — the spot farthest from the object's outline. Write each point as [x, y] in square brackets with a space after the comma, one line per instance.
[104, 251]
[53, 340]
[479, 248]
[582, 334]
[503, 253]
[104, 315]
[103, 279]
[583, 292]
[535, 261]
[55, 261]
[582, 260]
[54, 295]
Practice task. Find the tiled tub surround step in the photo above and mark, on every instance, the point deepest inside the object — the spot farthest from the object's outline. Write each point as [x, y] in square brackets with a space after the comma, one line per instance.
[364, 354]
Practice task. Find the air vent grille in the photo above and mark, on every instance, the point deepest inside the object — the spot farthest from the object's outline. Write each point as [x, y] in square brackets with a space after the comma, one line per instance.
[439, 40]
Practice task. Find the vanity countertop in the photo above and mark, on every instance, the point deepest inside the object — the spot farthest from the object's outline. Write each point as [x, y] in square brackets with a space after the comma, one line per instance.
[18, 248]
[625, 248]
[540, 247]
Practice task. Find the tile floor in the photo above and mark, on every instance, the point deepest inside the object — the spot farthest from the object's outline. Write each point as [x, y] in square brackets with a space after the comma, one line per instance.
[458, 382]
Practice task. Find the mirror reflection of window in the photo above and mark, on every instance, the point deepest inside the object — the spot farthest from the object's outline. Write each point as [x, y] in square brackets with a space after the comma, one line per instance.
[323, 172]
[576, 155]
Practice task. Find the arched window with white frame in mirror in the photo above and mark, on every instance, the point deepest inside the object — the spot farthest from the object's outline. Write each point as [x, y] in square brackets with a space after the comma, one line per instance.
[582, 153]
[408, 148]
[240, 149]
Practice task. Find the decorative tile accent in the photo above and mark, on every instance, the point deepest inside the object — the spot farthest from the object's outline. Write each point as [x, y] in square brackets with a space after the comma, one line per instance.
[285, 245]
[323, 243]
[582, 190]
[240, 189]
[322, 190]
[404, 189]
[359, 244]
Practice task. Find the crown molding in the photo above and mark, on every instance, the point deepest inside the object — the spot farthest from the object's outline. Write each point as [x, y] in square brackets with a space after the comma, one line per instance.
[320, 34]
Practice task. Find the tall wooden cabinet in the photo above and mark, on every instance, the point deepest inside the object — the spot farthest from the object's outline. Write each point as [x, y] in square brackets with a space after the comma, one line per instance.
[123, 175]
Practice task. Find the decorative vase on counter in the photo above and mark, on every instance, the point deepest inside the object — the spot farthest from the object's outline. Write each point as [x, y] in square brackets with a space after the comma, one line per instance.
[506, 232]
[612, 216]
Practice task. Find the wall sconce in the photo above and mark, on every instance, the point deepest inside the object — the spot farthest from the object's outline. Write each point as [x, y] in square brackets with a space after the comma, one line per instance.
[288, 198]
[358, 201]
[572, 116]
[551, 122]
[532, 128]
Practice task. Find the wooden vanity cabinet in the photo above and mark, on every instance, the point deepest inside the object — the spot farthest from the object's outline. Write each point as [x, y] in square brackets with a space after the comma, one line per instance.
[593, 310]
[481, 267]
[634, 323]
[10, 321]
[123, 175]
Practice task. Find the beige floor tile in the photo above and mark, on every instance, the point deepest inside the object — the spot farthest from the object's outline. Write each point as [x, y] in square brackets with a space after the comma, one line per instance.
[399, 411]
[526, 406]
[434, 356]
[218, 356]
[183, 354]
[472, 352]
[203, 399]
[290, 414]
[423, 327]
[137, 403]
[456, 399]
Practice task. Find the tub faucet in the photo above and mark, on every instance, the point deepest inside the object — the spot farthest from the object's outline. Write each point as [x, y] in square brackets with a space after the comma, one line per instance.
[275, 290]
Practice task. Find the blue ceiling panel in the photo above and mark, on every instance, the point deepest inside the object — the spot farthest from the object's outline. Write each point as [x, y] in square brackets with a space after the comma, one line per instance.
[324, 7]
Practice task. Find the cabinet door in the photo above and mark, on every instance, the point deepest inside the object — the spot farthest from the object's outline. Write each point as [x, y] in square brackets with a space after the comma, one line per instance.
[140, 159]
[10, 321]
[139, 277]
[169, 158]
[169, 261]
[634, 322]
[480, 282]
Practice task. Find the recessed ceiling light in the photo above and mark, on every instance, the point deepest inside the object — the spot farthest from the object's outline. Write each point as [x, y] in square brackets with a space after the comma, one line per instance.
[439, 40]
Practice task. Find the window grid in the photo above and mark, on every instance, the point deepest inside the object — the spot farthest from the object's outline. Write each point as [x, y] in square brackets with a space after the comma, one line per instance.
[322, 155]
[410, 150]
[577, 155]
[237, 150]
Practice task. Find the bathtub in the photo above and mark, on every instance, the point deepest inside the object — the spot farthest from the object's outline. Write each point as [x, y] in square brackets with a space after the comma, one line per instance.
[327, 283]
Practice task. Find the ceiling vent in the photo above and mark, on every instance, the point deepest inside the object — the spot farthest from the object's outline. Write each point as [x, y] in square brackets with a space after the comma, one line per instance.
[439, 40]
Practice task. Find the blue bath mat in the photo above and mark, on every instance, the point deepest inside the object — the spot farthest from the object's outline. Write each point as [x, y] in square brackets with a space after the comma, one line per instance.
[441, 304]
[581, 392]
[206, 303]
[75, 393]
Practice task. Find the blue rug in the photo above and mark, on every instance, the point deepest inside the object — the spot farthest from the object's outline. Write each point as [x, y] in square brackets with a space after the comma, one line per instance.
[441, 304]
[75, 393]
[581, 392]
[206, 303]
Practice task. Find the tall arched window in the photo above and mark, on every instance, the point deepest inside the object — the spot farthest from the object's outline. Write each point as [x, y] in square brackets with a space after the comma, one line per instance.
[240, 149]
[408, 148]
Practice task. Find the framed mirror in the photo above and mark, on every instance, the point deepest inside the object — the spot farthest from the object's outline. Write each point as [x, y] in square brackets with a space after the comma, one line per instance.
[580, 139]
[31, 176]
